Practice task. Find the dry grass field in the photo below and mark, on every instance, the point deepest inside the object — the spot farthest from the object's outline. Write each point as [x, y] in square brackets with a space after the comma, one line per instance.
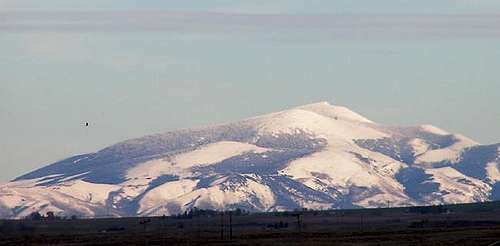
[470, 224]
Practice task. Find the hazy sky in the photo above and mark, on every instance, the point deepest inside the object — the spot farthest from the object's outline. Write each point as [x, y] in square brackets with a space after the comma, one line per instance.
[142, 67]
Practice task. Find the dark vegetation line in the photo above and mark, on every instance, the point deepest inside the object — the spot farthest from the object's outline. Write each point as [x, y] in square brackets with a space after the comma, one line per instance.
[197, 212]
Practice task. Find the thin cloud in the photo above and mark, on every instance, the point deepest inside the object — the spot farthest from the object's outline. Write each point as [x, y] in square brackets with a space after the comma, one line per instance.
[330, 25]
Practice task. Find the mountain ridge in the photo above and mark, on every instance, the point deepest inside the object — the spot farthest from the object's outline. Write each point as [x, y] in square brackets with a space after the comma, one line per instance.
[316, 156]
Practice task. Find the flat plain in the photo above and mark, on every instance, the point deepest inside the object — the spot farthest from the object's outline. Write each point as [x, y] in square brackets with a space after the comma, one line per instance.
[466, 224]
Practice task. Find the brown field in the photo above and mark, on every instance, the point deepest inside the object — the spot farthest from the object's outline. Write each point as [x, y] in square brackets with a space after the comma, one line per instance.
[472, 224]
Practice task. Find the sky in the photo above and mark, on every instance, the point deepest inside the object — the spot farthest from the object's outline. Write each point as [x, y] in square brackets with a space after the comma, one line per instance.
[133, 68]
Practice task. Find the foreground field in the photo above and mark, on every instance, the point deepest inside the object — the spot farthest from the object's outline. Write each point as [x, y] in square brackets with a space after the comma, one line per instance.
[473, 224]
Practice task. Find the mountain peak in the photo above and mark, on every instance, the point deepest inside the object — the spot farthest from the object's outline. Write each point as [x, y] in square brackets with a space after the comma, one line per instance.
[317, 104]
[317, 156]
[335, 112]
[434, 129]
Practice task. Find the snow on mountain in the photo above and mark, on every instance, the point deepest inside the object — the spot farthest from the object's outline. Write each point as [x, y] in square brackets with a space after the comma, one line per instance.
[336, 112]
[434, 130]
[452, 152]
[181, 163]
[455, 187]
[314, 156]
[21, 198]
[492, 172]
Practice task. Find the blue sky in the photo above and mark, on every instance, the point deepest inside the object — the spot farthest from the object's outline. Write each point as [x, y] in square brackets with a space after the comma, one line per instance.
[142, 67]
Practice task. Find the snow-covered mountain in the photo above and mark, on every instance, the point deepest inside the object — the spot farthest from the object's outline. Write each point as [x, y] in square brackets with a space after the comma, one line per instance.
[315, 156]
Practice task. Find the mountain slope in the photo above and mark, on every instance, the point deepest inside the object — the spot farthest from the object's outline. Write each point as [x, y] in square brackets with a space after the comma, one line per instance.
[315, 156]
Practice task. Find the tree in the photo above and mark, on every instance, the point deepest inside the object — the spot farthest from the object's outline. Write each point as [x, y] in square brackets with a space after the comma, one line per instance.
[51, 215]
[35, 216]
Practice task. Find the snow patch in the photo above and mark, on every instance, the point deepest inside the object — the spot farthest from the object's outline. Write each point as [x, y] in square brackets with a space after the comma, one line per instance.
[166, 192]
[316, 124]
[451, 153]
[492, 172]
[344, 170]
[179, 164]
[80, 159]
[455, 187]
[434, 130]
[214, 197]
[419, 146]
[85, 191]
[335, 112]
[74, 176]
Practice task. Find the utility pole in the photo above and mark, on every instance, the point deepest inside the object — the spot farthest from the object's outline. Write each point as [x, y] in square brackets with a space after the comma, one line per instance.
[230, 226]
[298, 222]
[163, 241]
[362, 222]
[198, 226]
[222, 225]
